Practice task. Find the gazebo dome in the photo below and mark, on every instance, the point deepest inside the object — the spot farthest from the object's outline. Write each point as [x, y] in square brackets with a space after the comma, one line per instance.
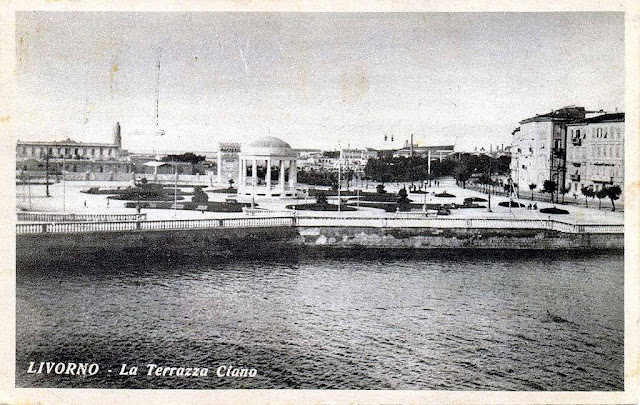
[268, 146]
[268, 142]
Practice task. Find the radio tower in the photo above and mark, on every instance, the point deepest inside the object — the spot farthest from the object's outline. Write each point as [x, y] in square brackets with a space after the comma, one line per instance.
[158, 93]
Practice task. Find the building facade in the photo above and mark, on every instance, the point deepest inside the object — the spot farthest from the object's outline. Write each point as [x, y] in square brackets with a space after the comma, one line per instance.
[595, 152]
[80, 160]
[432, 152]
[538, 149]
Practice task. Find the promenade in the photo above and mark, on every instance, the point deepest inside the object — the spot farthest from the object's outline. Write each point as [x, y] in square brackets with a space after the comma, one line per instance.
[112, 215]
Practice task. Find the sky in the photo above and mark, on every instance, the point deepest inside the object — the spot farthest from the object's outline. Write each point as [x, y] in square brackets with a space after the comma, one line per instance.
[315, 80]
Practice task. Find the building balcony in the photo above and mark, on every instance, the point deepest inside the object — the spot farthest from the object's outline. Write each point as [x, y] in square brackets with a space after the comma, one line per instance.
[576, 141]
[575, 177]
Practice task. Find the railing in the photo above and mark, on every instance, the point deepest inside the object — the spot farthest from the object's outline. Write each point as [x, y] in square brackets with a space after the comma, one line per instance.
[290, 221]
[52, 217]
[78, 227]
[459, 223]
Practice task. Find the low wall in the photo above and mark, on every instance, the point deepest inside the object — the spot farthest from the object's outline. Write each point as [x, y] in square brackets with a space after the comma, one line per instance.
[133, 246]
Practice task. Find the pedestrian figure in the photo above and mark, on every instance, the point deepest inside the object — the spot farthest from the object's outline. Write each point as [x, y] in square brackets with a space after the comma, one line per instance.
[107, 203]
[535, 206]
[85, 203]
[529, 206]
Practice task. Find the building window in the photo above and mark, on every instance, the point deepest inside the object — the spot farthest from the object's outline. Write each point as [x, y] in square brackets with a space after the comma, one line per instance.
[93, 152]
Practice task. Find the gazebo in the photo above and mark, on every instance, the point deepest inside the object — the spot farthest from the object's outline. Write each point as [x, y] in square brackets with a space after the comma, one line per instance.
[259, 161]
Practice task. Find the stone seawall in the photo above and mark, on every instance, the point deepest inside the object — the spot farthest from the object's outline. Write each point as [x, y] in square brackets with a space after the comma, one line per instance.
[432, 238]
[86, 249]
[89, 248]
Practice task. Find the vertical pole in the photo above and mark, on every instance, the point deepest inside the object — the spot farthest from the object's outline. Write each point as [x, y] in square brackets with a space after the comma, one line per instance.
[29, 186]
[46, 174]
[489, 188]
[175, 190]
[24, 185]
[64, 186]
[429, 166]
[339, 175]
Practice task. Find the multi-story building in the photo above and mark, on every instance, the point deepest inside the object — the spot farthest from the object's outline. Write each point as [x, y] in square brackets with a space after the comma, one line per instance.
[81, 160]
[353, 159]
[538, 148]
[595, 152]
[434, 152]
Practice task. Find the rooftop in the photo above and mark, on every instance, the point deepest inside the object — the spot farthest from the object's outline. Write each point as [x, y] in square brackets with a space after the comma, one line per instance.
[568, 113]
[609, 117]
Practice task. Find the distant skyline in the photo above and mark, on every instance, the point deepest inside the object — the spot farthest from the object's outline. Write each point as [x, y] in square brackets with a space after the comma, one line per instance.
[312, 79]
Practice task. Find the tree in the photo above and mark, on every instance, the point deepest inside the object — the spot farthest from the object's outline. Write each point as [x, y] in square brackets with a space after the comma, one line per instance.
[199, 196]
[403, 204]
[563, 191]
[587, 192]
[613, 193]
[188, 157]
[550, 187]
[601, 194]
[380, 189]
[321, 198]
[532, 187]
[462, 173]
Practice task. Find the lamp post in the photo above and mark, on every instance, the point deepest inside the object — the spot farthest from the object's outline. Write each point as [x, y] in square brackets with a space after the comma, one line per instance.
[339, 175]
[175, 190]
[46, 173]
[489, 187]
[64, 185]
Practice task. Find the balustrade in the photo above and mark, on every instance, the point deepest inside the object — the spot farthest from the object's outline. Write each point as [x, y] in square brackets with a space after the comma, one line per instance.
[303, 221]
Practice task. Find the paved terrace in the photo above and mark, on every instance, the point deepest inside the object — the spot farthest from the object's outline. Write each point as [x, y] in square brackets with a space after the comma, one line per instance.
[74, 203]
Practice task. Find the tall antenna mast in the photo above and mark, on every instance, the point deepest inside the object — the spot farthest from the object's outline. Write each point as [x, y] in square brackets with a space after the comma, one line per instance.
[86, 110]
[158, 91]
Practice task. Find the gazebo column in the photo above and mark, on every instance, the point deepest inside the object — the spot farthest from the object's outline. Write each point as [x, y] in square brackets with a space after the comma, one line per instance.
[242, 172]
[293, 173]
[254, 172]
[268, 178]
[281, 179]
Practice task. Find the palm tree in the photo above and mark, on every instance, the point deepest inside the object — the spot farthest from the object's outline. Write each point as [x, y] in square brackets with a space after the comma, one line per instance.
[602, 193]
[587, 192]
[613, 193]
[550, 187]
[532, 187]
